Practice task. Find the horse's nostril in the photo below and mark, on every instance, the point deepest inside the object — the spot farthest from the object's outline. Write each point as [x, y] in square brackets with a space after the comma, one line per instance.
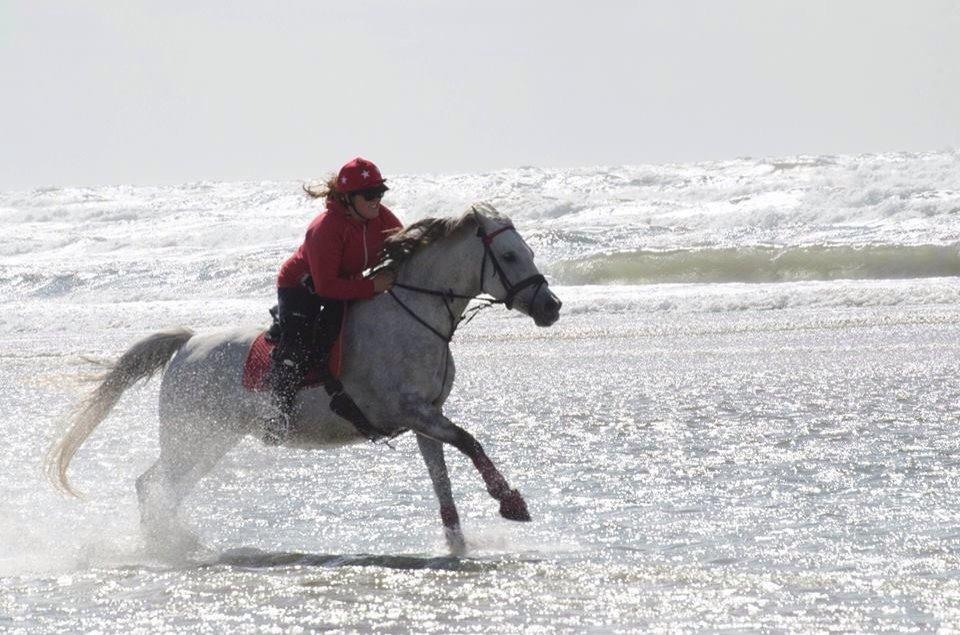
[552, 305]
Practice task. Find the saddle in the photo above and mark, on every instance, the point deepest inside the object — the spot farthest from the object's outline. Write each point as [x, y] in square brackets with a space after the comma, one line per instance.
[256, 368]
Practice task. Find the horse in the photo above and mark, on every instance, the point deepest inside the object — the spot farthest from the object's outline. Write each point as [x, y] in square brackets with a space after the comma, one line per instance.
[396, 364]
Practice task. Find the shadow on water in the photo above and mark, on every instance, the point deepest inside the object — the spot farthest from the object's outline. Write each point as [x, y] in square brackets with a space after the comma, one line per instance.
[257, 559]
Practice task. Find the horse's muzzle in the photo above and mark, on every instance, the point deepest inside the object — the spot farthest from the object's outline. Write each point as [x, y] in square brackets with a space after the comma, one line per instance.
[545, 309]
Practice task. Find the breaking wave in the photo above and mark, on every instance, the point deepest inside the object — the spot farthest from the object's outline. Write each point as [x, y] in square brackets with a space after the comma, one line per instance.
[761, 264]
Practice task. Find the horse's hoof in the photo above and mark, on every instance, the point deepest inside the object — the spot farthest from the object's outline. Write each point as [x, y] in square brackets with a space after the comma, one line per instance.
[513, 507]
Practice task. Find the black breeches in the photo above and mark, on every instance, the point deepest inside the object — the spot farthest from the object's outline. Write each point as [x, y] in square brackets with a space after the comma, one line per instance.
[309, 327]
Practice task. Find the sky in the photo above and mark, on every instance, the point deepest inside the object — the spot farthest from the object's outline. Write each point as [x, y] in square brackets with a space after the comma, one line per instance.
[100, 93]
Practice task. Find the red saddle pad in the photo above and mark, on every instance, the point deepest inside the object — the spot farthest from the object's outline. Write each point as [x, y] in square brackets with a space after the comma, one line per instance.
[256, 369]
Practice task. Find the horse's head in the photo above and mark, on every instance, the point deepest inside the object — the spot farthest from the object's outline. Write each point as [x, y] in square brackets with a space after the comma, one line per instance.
[508, 272]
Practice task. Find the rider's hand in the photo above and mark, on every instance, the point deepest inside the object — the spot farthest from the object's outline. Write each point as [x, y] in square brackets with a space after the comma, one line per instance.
[383, 281]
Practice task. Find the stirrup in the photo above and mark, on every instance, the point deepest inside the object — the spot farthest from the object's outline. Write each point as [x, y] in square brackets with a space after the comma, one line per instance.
[275, 430]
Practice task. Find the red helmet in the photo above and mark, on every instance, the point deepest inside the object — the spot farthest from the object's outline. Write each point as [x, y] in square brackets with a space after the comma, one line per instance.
[359, 174]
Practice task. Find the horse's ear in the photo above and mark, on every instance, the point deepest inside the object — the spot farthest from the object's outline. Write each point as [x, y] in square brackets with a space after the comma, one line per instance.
[476, 219]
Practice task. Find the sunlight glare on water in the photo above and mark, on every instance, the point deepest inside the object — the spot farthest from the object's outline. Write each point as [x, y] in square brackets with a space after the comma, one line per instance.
[794, 472]
[773, 454]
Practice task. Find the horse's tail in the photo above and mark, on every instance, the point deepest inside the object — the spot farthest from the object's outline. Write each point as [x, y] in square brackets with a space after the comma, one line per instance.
[141, 361]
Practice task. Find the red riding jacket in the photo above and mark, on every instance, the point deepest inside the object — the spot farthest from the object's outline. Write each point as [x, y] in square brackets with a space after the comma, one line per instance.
[335, 250]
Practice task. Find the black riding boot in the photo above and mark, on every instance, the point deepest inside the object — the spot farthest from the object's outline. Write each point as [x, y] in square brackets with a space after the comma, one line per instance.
[297, 312]
[285, 378]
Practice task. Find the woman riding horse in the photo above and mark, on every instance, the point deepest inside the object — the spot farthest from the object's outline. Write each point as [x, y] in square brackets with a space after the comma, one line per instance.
[397, 365]
[324, 272]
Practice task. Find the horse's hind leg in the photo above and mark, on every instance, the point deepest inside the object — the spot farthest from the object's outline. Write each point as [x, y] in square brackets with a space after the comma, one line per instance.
[187, 453]
[427, 420]
[432, 452]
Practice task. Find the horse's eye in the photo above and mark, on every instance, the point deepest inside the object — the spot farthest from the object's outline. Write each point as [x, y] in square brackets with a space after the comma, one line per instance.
[510, 257]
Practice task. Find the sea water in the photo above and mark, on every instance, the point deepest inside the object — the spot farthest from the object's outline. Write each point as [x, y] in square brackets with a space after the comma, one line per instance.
[746, 417]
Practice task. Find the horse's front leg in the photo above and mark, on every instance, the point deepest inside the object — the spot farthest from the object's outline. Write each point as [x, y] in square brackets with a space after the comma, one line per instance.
[427, 420]
[432, 452]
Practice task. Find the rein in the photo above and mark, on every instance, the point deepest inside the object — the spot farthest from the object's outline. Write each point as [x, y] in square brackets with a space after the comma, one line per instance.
[449, 295]
[446, 296]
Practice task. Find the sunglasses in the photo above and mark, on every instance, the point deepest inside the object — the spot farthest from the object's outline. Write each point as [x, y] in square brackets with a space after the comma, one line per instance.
[372, 194]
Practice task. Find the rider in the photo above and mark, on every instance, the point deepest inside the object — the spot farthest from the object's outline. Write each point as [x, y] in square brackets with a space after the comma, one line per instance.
[324, 273]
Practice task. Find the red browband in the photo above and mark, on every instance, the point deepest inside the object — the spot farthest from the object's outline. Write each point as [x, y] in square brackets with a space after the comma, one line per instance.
[488, 238]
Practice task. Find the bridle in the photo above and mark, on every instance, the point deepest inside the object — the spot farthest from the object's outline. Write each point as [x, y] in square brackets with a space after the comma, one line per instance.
[512, 289]
[448, 296]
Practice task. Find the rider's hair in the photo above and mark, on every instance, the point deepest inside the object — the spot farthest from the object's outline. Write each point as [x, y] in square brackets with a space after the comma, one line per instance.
[326, 190]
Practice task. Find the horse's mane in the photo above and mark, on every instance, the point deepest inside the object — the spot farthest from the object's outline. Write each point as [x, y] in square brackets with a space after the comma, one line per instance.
[400, 247]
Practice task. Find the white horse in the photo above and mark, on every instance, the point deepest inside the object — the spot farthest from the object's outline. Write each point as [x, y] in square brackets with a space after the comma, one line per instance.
[397, 366]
